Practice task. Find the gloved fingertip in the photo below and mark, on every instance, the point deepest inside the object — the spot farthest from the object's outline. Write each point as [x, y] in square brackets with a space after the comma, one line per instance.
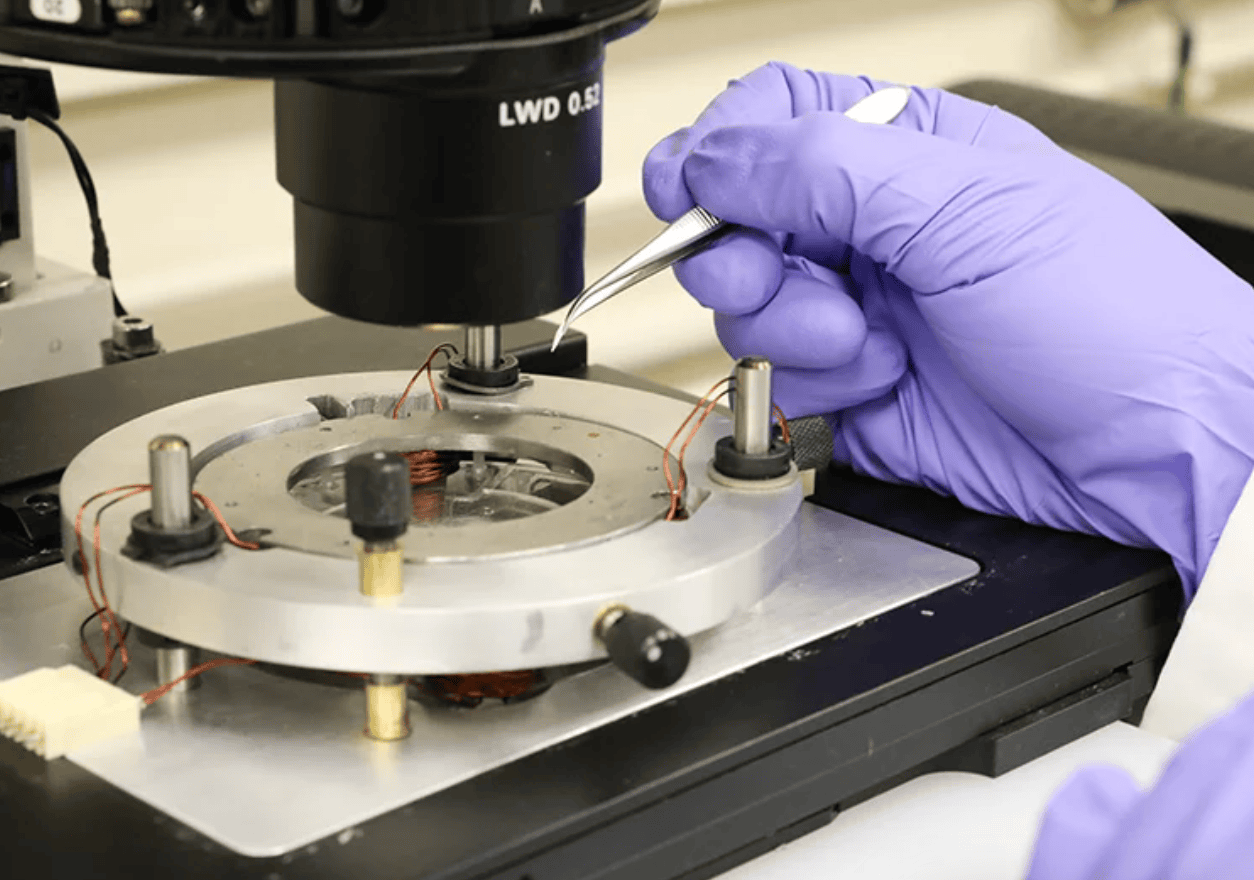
[1080, 823]
[737, 275]
[870, 377]
[1098, 792]
[665, 192]
[791, 397]
[718, 172]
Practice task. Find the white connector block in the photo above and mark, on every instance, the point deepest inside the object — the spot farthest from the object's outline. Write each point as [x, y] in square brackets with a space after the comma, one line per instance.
[55, 711]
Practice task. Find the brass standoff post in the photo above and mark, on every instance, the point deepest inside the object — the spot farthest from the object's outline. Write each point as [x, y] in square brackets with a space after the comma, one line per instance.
[387, 711]
[378, 502]
[379, 505]
[380, 567]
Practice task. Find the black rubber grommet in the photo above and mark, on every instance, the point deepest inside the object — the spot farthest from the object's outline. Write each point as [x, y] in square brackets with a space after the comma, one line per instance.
[739, 466]
[504, 375]
[169, 547]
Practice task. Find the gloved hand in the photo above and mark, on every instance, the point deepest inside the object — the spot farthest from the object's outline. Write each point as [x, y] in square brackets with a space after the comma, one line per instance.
[982, 313]
[1197, 823]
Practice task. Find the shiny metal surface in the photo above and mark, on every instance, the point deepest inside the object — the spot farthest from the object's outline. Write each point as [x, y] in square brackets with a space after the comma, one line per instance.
[173, 662]
[691, 233]
[515, 594]
[133, 335]
[483, 347]
[170, 472]
[254, 482]
[751, 433]
[296, 748]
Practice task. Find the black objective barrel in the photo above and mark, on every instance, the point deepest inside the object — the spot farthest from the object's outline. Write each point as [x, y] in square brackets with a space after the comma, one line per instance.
[445, 200]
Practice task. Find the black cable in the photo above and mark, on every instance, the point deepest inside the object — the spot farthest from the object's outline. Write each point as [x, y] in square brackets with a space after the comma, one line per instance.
[1177, 93]
[1184, 59]
[99, 246]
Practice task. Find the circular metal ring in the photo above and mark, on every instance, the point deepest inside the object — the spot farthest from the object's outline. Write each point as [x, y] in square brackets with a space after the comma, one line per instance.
[471, 613]
[627, 490]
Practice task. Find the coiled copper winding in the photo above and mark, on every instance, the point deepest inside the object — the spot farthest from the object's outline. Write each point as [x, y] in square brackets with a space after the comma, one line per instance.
[426, 475]
[472, 689]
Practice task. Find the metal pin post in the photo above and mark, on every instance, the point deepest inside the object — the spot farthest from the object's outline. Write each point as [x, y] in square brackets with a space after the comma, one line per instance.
[173, 662]
[170, 471]
[483, 347]
[751, 432]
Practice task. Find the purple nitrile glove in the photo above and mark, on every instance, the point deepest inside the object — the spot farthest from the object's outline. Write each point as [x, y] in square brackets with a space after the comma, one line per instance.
[1196, 823]
[984, 314]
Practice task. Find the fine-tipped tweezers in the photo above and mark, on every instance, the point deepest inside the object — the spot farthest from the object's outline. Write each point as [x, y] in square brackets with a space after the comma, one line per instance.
[698, 228]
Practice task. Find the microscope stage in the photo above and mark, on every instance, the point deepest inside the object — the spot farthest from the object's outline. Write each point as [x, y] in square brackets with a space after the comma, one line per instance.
[886, 653]
[507, 569]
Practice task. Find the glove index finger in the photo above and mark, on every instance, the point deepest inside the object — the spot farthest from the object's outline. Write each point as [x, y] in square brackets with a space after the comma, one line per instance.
[775, 92]
[887, 191]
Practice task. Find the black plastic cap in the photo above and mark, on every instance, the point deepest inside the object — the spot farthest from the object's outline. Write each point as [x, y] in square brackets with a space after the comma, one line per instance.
[378, 495]
[647, 650]
[742, 466]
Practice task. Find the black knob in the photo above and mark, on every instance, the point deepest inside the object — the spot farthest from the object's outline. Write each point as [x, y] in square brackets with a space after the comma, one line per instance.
[378, 497]
[812, 442]
[643, 647]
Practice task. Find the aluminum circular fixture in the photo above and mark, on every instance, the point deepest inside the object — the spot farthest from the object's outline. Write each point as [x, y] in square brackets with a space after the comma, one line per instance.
[625, 491]
[478, 596]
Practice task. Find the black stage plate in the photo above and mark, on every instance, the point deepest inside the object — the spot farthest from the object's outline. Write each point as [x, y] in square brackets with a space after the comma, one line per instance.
[1058, 635]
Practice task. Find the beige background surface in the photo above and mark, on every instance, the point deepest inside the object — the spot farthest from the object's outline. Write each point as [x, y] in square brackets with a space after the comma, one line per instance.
[201, 232]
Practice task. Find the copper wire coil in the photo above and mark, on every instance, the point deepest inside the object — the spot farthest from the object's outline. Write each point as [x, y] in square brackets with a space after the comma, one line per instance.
[473, 688]
[428, 505]
[427, 469]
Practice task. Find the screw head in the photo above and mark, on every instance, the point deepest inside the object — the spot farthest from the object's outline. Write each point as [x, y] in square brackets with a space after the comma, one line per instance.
[131, 333]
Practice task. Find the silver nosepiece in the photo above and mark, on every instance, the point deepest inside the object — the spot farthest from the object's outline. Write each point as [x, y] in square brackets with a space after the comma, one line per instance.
[170, 471]
[751, 433]
[483, 347]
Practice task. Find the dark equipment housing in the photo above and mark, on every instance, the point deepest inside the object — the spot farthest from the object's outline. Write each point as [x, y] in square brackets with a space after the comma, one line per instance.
[439, 152]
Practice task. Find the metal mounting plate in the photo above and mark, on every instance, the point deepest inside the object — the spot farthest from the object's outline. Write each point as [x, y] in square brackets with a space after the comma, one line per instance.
[266, 765]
